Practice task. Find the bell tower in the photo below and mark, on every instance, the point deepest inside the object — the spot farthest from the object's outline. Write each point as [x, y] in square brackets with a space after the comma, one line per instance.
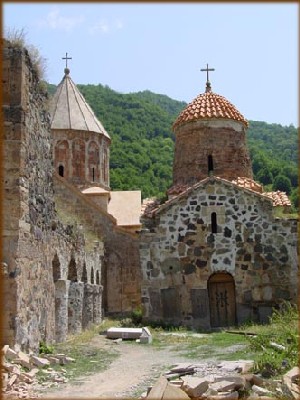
[80, 142]
[210, 139]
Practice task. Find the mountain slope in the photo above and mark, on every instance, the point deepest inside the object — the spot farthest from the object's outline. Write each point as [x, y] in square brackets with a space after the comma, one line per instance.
[140, 125]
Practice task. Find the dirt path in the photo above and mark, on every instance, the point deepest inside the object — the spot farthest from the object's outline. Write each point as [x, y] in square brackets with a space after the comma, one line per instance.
[130, 374]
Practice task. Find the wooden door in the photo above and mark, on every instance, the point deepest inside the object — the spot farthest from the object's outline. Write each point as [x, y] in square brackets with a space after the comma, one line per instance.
[221, 300]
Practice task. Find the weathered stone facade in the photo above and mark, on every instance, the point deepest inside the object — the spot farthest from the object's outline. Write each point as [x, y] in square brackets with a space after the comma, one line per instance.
[121, 275]
[82, 159]
[213, 254]
[217, 229]
[43, 260]
[206, 147]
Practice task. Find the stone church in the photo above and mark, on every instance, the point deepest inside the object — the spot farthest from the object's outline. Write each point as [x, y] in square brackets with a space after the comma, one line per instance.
[212, 255]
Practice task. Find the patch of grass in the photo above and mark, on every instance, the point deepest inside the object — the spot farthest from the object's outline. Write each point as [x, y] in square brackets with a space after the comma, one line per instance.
[218, 345]
[88, 360]
[88, 357]
[276, 344]
[17, 38]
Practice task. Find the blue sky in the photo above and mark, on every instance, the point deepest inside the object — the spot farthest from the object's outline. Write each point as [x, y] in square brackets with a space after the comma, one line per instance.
[162, 47]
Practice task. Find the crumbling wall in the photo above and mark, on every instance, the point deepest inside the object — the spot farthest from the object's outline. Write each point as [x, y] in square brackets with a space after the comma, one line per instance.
[40, 254]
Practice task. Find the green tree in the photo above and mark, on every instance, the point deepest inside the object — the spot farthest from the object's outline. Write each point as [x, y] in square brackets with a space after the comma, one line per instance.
[282, 183]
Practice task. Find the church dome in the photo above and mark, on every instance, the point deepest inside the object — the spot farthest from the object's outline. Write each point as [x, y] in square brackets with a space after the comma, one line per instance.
[70, 111]
[209, 105]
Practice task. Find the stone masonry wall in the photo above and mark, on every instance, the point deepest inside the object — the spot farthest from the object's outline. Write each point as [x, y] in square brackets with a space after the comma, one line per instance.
[41, 257]
[224, 141]
[121, 275]
[180, 254]
[84, 157]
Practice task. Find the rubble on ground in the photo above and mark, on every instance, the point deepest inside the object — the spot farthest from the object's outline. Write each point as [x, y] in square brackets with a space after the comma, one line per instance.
[19, 372]
[228, 380]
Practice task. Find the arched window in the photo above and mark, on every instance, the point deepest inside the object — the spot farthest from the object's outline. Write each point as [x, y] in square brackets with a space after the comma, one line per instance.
[210, 164]
[93, 174]
[92, 275]
[84, 274]
[214, 226]
[72, 271]
[61, 170]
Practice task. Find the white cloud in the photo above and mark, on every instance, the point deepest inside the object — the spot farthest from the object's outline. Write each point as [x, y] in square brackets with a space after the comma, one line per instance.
[54, 20]
[104, 27]
[99, 27]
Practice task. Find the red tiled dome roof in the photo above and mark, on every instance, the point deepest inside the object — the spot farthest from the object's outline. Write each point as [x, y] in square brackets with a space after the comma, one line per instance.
[209, 105]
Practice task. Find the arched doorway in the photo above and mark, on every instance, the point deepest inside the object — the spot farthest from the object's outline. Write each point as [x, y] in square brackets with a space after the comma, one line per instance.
[221, 292]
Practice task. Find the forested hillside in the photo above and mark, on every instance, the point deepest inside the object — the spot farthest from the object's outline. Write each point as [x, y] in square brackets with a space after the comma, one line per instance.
[140, 125]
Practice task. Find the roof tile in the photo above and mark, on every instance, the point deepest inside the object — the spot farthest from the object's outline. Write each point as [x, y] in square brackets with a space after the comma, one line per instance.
[209, 105]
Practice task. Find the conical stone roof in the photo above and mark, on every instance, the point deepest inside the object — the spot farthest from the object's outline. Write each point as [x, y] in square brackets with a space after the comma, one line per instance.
[70, 111]
[209, 105]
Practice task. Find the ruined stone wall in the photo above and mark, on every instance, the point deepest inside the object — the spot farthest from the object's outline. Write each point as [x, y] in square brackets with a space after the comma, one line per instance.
[81, 157]
[121, 276]
[180, 254]
[223, 141]
[41, 257]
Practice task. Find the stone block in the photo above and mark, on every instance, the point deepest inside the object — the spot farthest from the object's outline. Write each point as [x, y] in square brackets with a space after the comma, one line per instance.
[241, 366]
[195, 386]
[175, 393]
[183, 367]
[24, 360]
[10, 354]
[146, 336]
[124, 333]
[223, 386]
[4, 349]
[239, 381]
[39, 361]
[261, 391]
[157, 391]
[225, 396]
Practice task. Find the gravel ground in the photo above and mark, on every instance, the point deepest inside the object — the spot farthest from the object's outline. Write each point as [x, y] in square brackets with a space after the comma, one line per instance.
[136, 368]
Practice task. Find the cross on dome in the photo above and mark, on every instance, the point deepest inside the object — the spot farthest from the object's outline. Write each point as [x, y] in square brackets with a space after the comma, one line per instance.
[67, 71]
[208, 85]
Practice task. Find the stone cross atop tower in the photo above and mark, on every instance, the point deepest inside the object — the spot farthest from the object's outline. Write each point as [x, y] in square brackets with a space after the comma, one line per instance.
[67, 70]
[208, 85]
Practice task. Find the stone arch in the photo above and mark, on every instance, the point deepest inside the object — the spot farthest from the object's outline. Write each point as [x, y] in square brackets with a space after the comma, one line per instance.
[93, 162]
[97, 278]
[62, 156]
[72, 271]
[92, 276]
[84, 274]
[56, 268]
[78, 159]
[222, 301]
